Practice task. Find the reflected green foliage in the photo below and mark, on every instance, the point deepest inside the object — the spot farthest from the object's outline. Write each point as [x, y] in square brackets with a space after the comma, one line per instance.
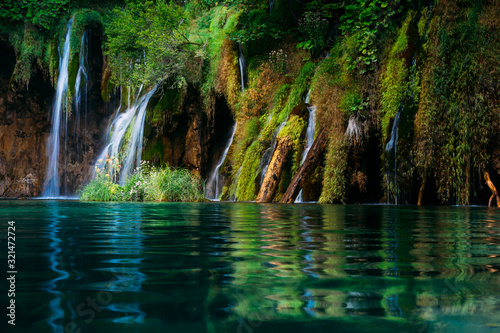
[286, 267]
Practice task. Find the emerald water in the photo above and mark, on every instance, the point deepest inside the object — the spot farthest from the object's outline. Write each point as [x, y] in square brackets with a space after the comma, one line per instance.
[241, 267]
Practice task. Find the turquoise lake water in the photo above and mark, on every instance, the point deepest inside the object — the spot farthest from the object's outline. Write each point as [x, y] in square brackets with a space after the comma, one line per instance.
[244, 267]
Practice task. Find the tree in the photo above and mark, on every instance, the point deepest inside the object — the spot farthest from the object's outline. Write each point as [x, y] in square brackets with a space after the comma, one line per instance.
[146, 43]
[40, 13]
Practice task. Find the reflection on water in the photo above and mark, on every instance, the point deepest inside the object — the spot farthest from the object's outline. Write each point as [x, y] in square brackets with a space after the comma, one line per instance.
[54, 254]
[218, 267]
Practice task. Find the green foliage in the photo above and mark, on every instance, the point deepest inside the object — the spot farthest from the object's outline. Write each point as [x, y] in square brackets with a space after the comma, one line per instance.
[352, 103]
[295, 129]
[313, 32]
[456, 121]
[145, 184]
[146, 43]
[214, 27]
[394, 79]
[365, 20]
[299, 89]
[278, 59]
[172, 185]
[334, 178]
[42, 14]
[169, 104]
[253, 128]
[254, 23]
[101, 188]
[30, 47]
[285, 99]
[246, 189]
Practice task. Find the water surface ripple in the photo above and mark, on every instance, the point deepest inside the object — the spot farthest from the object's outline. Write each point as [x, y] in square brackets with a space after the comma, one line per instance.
[237, 267]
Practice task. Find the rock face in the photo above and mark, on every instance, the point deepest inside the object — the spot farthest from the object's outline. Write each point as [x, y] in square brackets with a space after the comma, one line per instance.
[25, 129]
[191, 136]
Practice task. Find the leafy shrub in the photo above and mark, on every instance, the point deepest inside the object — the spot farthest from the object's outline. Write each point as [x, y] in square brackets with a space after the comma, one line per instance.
[313, 28]
[145, 184]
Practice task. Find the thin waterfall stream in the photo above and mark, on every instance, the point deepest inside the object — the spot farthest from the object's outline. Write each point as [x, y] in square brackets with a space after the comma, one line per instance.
[82, 84]
[51, 187]
[243, 66]
[311, 127]
[213, 187]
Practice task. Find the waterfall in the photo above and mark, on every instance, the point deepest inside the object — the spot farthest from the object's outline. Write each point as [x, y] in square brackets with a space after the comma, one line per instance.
[243, 66]
[51, 184]
[393, 144]
[213, 190]
[268, 153]
[311, 126]
[82, 83]
[271, 6]
[308, 96]
[130, 121]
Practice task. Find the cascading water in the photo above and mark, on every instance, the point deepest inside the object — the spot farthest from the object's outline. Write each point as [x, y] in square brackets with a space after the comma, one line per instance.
[130, 121]
[409, 99]
[51, 184]
[82, 83]
[311, 126]
[393, 145]
[243, 67]
[213, 190]
[308, 96]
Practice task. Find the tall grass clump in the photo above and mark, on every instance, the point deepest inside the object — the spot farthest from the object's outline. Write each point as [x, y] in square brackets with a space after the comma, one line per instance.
[147, 183]
[167, 184]
[101, 188]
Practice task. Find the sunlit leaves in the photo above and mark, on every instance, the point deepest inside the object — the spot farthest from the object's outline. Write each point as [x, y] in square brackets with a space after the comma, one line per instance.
[146, 43]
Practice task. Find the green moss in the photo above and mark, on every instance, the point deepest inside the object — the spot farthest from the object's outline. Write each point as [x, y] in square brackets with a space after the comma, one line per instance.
[52, 59]
[394, 79]
[30, 46]
[253, 128]
[334, 177]
[423, 23]
[106, 85]
[246, 189]
[299, 89]
[295, 129]
[455, 119]
[72, 73]
[222, 22]
[154, 151]
[170, 103]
